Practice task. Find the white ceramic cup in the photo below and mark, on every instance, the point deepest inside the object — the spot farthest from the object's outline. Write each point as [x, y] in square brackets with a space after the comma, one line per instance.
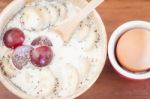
[112, 47]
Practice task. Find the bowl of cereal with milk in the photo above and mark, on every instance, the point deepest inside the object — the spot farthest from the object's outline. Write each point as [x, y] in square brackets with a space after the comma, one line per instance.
[35, 61]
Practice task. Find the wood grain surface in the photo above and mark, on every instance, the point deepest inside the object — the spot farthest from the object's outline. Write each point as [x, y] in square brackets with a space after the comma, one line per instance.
[110, 85]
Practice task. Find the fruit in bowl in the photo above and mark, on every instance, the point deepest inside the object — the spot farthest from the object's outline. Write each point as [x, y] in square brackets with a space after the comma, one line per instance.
[35, 61]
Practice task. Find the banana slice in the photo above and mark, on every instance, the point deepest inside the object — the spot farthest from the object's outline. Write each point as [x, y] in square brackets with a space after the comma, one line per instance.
[47, 83]
[8, 68]
[38, 18]
[44, 15]
[6, 64]
[85, 34]
[68, 80]
[62, 10]
[83, 68]
[81, 32]
[54, 14]
[30, 19]
[89, 42]
[35, 82]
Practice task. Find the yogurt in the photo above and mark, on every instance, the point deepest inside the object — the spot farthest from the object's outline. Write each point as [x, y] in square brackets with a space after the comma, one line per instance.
[74, 65]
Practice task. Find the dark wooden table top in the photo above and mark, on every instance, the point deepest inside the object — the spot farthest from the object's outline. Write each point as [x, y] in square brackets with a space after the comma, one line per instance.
[110, 85]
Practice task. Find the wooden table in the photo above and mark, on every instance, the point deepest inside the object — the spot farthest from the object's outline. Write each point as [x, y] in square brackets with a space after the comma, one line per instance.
[110, 85]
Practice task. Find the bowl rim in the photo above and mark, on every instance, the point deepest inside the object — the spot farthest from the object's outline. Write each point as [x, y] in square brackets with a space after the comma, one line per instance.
[112, 44]
[9, 11]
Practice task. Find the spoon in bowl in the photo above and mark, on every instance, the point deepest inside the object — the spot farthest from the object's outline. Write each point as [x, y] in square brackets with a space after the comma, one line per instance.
[66, 29]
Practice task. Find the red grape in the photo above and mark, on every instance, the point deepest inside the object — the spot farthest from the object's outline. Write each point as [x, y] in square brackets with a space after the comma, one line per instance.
[42, 40]
[13, 38]
[21, 56]
[41, 56]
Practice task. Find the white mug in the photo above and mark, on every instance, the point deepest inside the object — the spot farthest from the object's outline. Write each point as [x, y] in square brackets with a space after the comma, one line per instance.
[112, 44]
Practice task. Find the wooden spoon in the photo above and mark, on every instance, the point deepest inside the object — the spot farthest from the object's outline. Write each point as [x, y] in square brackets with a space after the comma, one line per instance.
[66, 29]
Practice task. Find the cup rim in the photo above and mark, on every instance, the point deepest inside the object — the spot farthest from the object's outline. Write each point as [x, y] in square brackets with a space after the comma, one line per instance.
[112, 44]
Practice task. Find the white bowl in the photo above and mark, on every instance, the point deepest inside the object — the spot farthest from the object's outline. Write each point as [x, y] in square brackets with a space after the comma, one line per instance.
[112, 45]
[12, 10]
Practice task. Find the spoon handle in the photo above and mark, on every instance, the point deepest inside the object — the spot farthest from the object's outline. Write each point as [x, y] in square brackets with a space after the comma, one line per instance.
[66, 29]
[89, 8]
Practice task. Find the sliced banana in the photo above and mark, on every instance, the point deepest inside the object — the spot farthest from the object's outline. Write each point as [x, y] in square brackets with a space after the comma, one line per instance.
[81, 32]
[8, 68]
[89, 42]
[47, 83]
[6, 64]
[44, 15]
[35, 82]
[30, 19]
[83, 68]
[62, 10]
[38, 18]
[54, 14]
[68, 80]
[85, 34]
